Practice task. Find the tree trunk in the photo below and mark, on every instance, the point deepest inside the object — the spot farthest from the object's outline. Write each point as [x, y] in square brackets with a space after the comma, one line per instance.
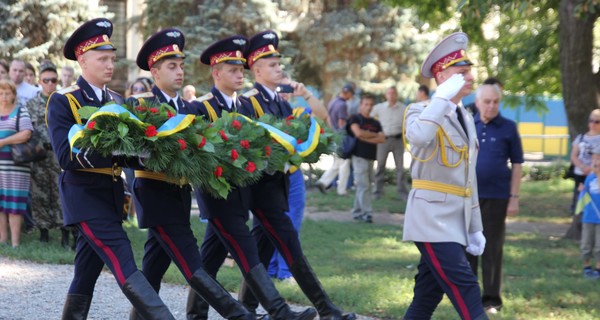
[578, 80]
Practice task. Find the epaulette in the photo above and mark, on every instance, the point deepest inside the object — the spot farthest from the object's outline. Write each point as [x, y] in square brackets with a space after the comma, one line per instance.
[250, 93]
[205, 97]
[148, 94]
[68, 89]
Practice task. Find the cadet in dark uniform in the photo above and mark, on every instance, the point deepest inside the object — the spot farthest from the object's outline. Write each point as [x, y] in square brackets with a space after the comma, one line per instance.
[164, 205]
[227, 229]
[272, 227]
[91, 189]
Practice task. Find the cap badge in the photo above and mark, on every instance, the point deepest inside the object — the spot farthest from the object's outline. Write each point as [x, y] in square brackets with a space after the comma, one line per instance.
[103, 24]
[239, 42]
[175, 47]
[461, 39]
[173, 34]
[238, 54]
[269, 35]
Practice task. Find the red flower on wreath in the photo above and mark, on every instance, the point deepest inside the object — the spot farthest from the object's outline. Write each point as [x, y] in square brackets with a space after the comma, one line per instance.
[236, 124]
[170, 114]
[91, 125]
[288, 123]
[290, 117]
[218, 171]
[322, 131]
[268, 151]
[223, 135]
[234, 154]
[182, 144]
[202, 142]
[245, 144]
[150, 131]
[153, 110]
[299, 141]
[251, 167]
[140, 108]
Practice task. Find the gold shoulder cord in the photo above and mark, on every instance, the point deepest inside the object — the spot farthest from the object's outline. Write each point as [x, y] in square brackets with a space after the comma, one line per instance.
[212, 115]
[441, 137]
[257, 108]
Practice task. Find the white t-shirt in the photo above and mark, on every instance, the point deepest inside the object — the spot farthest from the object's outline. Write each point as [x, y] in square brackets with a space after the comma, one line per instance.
[25, 92]
[586, 146]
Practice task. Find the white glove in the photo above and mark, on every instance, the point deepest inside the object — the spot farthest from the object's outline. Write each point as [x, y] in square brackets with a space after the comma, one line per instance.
[476, 243]
[450, 88]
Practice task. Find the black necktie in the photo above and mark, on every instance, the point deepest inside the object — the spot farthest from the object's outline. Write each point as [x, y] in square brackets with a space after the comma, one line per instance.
[459, 115]
[104, 98]
[172, 104]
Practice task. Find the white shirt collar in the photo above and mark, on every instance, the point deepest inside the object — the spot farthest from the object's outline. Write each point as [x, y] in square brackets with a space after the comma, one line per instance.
[270, 92]
[97, 91]
[175, 99]
[228, 99]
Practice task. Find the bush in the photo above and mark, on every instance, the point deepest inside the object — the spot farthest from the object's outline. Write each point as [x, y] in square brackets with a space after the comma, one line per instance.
[547, 172]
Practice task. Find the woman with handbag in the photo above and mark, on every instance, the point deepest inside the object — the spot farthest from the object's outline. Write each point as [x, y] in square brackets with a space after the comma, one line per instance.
[14, 178]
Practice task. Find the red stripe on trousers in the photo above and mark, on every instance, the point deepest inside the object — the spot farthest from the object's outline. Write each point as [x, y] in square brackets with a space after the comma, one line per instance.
[236, 246]
[109, 253]
[438, 267]
[186, 269]
[286, 251]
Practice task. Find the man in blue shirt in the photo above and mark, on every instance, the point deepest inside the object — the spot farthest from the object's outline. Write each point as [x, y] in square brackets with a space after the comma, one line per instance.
[498, 186]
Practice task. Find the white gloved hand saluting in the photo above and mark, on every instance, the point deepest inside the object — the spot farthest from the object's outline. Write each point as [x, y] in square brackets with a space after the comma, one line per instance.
[476, 243]
[450, 88]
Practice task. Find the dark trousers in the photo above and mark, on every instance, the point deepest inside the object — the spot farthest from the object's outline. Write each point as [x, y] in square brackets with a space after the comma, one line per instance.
[101, 242]
[168, 243]
[578, 180]
[444, 269]
[493, 216]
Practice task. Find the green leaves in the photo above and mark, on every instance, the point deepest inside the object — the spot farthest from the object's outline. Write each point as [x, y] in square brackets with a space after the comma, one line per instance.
[86, 112]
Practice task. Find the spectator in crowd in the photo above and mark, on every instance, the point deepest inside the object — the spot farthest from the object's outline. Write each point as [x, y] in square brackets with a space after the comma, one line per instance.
[471, 107]
[590, 233]
[4, 68]
[369, 134]
[338, 113]
[30, 74]
[581, 157]
[354, 102]
[422, 93]
[45, 201]
[442, 214]
[189, 93]
[25, 91]
[278, 268]
[390, 115]
[15, 178]
[498, 185]
[136, 87]
[67, 75]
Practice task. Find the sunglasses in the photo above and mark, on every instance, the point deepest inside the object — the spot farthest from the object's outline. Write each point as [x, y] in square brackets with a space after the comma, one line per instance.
[53, 80]
[138, 89]
[594, 121]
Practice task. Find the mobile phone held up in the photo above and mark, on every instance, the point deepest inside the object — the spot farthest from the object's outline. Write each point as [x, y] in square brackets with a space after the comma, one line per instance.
[284, 88]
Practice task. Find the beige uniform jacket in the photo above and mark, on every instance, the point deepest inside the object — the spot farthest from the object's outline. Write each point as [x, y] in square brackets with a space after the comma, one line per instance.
[433, 216]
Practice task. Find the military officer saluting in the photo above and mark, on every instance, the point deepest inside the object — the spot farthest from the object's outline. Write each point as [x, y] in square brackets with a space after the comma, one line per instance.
[442, 214]
[163, 204]
[269, 197]
[91, 189]
[227, 229]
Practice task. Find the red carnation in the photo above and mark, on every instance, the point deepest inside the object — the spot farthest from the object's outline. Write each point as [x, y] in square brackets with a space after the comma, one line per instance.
[150, 131]
[299, 141]
[290, 117]
[202, 143]
[236, 124]
[153, 110]
[234, 154]
[140, 108]
[322, 131]
[182, 144]
[218, 172]
[250, 167]
[91, 125]
[287, 122]
[170, 114]
[268, 151]
[245, 144]
[223, 135]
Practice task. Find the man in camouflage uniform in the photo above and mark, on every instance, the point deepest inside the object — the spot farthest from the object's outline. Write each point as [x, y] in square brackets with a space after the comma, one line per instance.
[45, 201]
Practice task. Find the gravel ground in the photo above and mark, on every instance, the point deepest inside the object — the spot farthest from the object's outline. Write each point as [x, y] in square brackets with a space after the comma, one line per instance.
[37, 291]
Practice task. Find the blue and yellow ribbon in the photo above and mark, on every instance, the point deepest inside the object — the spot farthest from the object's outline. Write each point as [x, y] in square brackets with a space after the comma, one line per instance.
[175, 124]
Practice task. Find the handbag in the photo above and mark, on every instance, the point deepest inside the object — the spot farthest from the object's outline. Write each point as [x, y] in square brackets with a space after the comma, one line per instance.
[570, 173]
[29, 151]
[348, 142]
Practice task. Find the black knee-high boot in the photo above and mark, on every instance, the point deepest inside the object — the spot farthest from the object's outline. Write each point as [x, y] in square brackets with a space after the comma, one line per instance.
[311, 286]
[197, 308]
[144, 298]
[76, 307]
[263, 288]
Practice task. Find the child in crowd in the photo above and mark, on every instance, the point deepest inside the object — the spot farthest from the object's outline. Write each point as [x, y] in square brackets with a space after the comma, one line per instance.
[589, 201]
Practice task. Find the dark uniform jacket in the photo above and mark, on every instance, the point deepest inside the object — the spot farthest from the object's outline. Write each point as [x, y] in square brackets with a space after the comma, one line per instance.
[159, 202]
[84, 195]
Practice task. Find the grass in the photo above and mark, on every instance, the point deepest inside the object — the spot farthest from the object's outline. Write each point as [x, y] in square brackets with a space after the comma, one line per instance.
[369, 270]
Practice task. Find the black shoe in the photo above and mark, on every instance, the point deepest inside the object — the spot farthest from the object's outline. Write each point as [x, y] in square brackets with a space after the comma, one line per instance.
[322, 187]
[367, 218]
